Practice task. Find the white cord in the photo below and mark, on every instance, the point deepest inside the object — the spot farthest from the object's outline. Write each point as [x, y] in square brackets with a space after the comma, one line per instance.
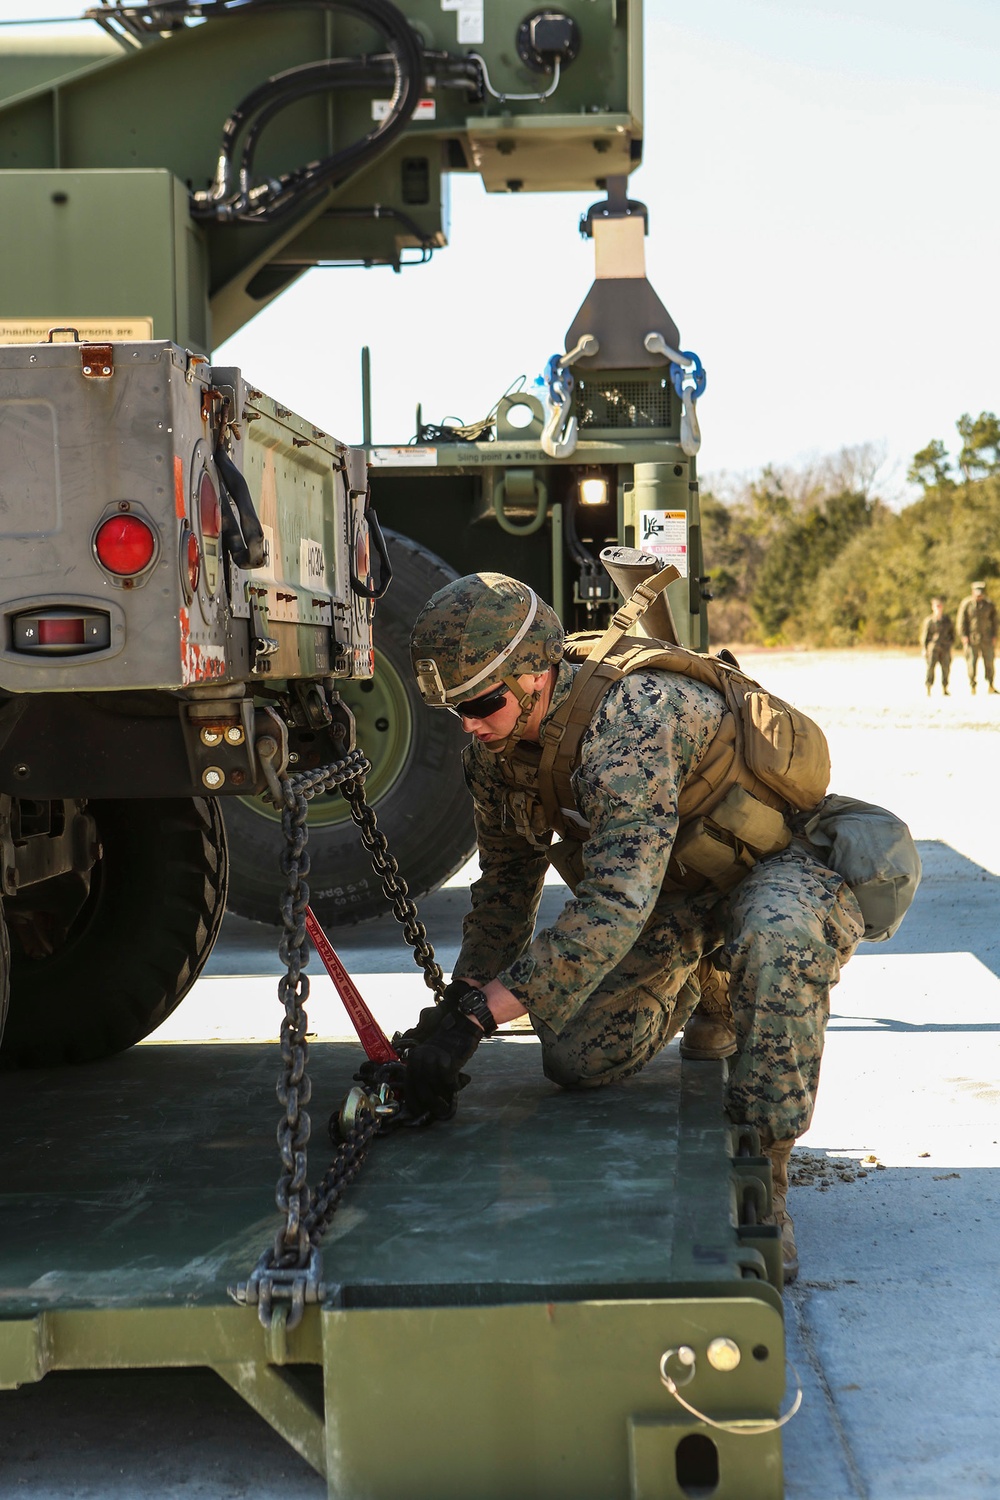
[737, 1429]
[526, 97]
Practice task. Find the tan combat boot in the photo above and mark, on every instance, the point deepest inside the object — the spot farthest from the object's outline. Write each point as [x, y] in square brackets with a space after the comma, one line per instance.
[709, 1033]
[778, 1155]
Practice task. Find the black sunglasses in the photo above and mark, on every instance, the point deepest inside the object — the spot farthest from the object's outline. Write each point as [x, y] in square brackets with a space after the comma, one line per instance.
[480, 708]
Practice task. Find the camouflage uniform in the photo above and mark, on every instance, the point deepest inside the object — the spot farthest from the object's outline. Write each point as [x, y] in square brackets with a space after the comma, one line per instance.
[601, 983]
[977, 626]
[937, 636]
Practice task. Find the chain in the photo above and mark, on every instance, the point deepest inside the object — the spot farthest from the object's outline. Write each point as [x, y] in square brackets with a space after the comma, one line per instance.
[289, 1271]
[393, 885]
[339, 1175]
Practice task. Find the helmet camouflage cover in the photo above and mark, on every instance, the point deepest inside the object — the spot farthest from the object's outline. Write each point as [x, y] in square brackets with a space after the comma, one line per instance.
[479, 630]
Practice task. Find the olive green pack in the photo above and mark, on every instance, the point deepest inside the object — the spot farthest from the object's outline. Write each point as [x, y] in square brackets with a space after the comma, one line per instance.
[766, 762]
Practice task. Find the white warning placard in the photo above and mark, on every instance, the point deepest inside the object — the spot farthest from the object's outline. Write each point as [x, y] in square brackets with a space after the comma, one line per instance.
[426, 109]
[470, 24]
[395, 458]
[663, 533]
[470, 19]
[86, 330]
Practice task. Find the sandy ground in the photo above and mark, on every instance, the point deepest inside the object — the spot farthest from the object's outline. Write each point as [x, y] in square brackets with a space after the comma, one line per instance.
[894, 1326]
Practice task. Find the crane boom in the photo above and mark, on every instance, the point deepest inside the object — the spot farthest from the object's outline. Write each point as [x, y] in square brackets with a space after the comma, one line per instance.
[200, 158]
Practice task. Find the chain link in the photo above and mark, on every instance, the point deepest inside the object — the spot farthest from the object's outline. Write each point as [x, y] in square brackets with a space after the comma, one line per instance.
[338, 1176]
[290, 1270]
[393, 884]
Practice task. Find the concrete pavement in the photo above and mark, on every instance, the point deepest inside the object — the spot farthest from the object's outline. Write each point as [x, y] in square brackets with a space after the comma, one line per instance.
[893, 1328]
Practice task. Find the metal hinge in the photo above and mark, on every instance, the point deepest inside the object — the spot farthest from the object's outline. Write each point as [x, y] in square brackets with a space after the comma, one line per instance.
[97, 361]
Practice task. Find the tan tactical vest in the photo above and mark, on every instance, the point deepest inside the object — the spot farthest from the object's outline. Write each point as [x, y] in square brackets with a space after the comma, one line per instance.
[766, 760]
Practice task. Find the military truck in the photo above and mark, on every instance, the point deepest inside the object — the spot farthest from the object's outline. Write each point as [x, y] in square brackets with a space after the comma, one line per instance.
[165, 183]
[186, 577]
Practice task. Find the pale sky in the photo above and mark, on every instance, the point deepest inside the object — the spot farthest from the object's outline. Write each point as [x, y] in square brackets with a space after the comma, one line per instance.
[823, 229]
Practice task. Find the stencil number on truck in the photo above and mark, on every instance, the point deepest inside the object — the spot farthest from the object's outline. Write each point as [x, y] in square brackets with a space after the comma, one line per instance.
[312, 564]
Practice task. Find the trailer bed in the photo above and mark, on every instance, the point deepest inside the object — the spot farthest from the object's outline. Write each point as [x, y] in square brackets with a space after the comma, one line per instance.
[500, 1289]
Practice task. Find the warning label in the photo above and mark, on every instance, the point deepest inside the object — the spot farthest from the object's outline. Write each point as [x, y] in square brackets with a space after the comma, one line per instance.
[394, 458]
[663, 533]
[89, 330]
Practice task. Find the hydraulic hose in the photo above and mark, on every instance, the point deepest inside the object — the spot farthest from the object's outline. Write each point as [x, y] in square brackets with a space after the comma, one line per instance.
[269, 201]
[242, 532]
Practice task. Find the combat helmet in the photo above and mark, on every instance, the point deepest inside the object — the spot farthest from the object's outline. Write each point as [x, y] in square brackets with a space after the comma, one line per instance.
[478, 630]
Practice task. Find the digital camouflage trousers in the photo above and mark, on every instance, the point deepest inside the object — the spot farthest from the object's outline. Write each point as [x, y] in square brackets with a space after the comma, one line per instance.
[783, 934]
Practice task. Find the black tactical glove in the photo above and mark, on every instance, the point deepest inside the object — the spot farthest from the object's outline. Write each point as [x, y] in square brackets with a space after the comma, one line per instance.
[430, 1017]
[434, 1053]
[459, 998]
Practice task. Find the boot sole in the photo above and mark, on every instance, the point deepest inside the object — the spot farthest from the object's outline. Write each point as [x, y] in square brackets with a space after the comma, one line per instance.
[707, 1054]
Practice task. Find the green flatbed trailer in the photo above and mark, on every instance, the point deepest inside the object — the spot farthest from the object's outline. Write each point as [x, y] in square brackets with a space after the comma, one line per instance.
[500, 1291]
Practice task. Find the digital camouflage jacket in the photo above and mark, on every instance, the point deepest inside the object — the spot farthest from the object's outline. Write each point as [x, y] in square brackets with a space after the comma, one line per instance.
[649, 733]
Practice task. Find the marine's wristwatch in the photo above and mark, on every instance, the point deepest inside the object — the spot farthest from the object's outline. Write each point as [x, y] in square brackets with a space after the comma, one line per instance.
[471, 1001]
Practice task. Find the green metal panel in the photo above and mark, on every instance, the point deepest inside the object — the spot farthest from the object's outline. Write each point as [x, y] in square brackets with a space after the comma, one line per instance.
[104, 244]
[542, 1401]
[28, 62]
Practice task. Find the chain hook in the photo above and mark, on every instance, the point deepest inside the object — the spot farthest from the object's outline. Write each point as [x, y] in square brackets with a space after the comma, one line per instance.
[559, 435]
[689, 380]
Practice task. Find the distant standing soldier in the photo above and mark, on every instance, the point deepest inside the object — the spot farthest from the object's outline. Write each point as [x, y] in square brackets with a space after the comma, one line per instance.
[937, 637]
[977, 625]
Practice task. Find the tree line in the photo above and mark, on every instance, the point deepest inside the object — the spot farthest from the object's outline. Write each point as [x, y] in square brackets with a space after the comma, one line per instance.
[814, 557]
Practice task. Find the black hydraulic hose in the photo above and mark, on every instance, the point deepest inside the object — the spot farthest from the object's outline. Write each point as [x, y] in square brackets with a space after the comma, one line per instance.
[316, 174]
[385, 566]
[405, 57]
[355, 70]
[232, 536]
[247, 549]
[580, 554]
[285, 89]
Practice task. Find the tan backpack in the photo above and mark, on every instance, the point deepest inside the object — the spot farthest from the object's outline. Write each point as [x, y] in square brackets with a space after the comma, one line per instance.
[766, 761]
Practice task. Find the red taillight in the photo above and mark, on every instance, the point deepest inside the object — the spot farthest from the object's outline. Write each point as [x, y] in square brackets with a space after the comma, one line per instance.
[124, 544]
[61, 631]
[209, 508]
[193, 562]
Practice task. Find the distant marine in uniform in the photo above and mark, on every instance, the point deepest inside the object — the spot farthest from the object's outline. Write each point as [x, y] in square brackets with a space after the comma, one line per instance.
[977, 626]
[937, 636]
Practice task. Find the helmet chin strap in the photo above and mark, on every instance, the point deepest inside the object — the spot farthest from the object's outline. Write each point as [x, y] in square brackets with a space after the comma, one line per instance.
[527, 700]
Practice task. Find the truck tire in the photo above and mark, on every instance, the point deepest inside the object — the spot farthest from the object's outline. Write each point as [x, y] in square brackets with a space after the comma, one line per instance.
[156, 903]
[416, 785]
